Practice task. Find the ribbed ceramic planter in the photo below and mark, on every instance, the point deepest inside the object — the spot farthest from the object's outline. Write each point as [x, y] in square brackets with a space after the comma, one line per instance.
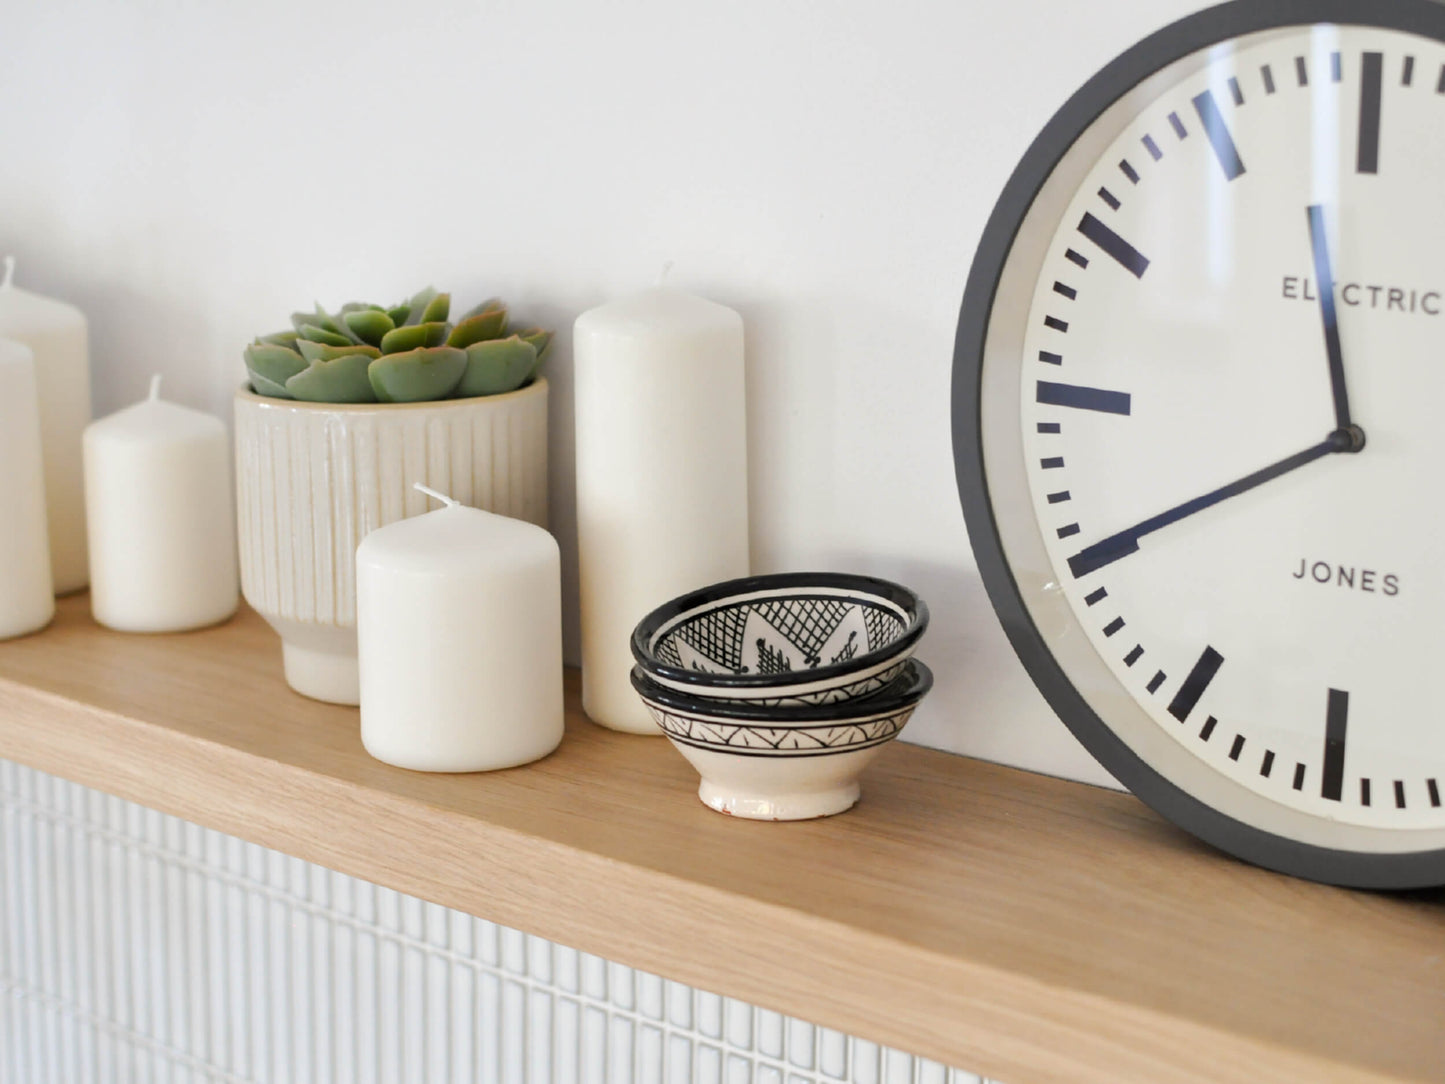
[313, 479]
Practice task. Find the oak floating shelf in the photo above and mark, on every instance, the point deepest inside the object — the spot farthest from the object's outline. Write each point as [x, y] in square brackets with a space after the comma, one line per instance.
[1007, 923]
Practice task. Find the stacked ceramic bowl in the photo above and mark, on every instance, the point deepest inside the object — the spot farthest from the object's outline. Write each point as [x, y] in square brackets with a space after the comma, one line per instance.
[780, 689]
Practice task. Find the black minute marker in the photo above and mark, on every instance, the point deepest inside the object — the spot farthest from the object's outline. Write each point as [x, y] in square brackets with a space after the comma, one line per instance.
[1125, 254]
[1218, 133]
[1337, 710]
[1195, 683]
[1367, 154]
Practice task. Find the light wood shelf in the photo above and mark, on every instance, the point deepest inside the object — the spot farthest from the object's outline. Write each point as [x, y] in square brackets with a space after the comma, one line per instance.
[1018, 926]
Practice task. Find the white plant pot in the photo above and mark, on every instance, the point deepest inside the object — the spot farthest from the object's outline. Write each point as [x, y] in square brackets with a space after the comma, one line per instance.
[313, 479]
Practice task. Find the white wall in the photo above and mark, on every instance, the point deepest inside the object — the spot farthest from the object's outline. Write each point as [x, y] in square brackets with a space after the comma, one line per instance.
[189, 173]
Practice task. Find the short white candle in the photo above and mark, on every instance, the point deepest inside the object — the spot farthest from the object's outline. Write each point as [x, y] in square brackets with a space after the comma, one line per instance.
[662, 474]
[162, 521]
[459, 632]
[27, 599]
[56, 332]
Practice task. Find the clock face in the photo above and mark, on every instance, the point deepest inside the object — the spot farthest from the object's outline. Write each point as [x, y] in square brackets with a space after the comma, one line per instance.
[1199, 366]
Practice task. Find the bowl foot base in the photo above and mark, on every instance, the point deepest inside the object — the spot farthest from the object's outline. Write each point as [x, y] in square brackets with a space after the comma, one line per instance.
[322, 675]
[798, 806]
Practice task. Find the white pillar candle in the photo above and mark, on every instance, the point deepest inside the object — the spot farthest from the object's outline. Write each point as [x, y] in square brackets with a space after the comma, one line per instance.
[662, 474]
[56, 332]
[459, 633]
[162, 522]
[27, 599]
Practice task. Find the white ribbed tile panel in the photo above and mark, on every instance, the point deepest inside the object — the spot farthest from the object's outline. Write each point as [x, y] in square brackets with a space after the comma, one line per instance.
[138, 947]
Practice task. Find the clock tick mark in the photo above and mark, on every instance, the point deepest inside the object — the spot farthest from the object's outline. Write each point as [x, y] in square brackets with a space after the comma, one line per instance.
[1434, 789]
[1133, 656]
[1237, 747]
[1129, 171]
[1337, 710]
[1299, 777]
[1364, 791]
[1268, 77]
[1074, 257]
[1440, 84]
[1152, 147]
[1335, 72]
[1235, 92]
[1054, 462]
[1218, 134]
[1114, 246]
[1198, 679]
[1207, 730]
[1407, 71]
[1177, 125]
[1113, 626]
[1050, 358]
[1082, 398]
[1048, 427]
[1109, 198]
[1267, 764]
[1367, 154]
[1301, 73]
[1069, 530]
[1065, 291]
[1155, 681]
[1055, 323]
[1059, 497]
[1399, 794]
[1095, 596]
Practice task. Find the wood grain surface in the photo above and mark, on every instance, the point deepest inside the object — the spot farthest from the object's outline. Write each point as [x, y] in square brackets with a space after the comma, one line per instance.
[1007, 923]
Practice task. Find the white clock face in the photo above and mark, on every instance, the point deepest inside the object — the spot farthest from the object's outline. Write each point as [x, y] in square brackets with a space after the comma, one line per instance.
[1254, 601]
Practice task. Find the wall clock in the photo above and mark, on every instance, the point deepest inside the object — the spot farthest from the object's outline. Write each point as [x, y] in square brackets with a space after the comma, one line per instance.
[1199, 429]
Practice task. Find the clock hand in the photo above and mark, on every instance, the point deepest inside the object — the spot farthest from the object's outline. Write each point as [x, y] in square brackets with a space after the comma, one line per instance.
[1325, 282]
[1125, 542]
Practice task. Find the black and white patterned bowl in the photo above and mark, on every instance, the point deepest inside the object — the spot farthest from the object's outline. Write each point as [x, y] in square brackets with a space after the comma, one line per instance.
[794, 638]
[782, 763]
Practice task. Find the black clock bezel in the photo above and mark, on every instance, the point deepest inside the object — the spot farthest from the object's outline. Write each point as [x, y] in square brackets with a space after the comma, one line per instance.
[1230, 20]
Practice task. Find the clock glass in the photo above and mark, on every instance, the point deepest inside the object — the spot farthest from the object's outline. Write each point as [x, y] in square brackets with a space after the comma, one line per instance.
[1203, 418]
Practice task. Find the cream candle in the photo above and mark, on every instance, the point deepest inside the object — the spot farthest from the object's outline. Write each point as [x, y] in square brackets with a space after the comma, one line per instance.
[662, 475]
[27, 599]
[161, 519]
[459, 634]
[56, 333]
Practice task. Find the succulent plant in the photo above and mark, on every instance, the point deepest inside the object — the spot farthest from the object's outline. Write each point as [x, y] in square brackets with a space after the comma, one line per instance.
[409, 353]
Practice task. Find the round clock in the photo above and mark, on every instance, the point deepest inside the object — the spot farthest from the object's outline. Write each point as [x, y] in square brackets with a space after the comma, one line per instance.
[1199, 429]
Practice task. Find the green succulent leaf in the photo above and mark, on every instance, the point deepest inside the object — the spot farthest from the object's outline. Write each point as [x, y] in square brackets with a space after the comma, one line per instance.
[399, 313]
[369, 325]
[314, 334]
[479, 327]
[314, 352]
[418, 304]
[491, 304]
[273, 363]
[340, 380]
[261, 386]
[279, 338]
[417, 376]
[413, 337]
[437, 309]
[319, 318]
[495, 366]
[542, 340]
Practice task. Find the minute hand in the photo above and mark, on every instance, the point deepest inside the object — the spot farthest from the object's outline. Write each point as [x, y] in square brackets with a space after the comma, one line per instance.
[1325, 282]
[1126, 542]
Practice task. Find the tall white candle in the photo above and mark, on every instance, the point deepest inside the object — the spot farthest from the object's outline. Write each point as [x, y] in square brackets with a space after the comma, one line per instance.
[162, 521]
[459, 631]
[662, 474]
[27, 599]
[56, 332]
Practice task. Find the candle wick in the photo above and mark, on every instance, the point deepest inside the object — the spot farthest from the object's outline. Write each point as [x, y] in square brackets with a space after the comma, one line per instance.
[439, 496]
[155, 387]
[9, 273]
[666, 270]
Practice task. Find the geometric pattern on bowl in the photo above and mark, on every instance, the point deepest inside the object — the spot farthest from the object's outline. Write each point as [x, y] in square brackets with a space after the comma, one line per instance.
[789, 638]
[760, 740]
[865, 687]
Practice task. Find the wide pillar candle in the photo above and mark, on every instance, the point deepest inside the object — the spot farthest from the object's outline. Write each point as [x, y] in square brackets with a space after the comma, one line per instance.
[27, 599]
[459, 636]
[662, 474]
[162, 521]
[56, 333]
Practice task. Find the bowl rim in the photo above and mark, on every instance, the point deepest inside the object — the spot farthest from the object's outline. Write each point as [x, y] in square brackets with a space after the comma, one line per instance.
[904, 692]
[915, 612]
